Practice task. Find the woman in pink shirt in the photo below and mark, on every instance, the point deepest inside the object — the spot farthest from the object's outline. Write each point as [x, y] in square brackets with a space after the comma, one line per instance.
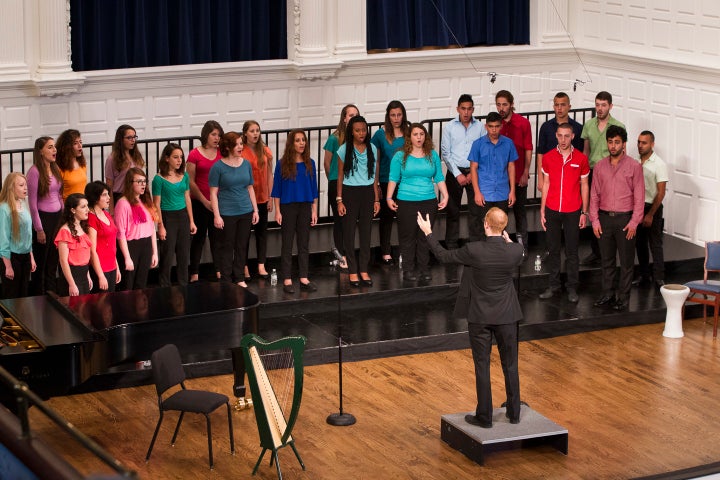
[105, 271]
[135, 216]
[45, 201]
[199, 162]
[124, 156]
[74, 248]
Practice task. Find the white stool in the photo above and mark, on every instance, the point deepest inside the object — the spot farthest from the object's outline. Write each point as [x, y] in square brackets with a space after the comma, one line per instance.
[674, 296]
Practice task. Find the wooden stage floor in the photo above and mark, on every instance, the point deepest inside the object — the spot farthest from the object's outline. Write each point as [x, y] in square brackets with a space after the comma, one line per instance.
[635, 404]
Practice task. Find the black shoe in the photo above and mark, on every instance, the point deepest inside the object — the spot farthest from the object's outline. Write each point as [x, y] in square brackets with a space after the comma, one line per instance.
[425, 277]
[367, 281]
[289, 288]
[354, 283]
[572, 296]
[659, 284]
[473, 420]
[264, 276]
[514, 421]
[308, 287]
[641, 282]
[620, 305]
[548, 293]
[387, 261]
[409, 277]
[591, 259]
[608, 300]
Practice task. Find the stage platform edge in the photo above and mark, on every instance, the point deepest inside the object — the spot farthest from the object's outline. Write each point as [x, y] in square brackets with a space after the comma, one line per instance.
[476, 442]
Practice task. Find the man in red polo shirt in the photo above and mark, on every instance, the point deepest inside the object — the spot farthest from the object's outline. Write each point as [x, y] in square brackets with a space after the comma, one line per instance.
[563, 208]
[517, 128]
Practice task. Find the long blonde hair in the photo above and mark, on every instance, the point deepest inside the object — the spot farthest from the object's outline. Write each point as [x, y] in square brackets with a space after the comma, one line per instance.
[7, 195]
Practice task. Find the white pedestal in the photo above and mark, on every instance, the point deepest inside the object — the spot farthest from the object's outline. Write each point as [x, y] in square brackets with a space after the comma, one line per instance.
[674, 296]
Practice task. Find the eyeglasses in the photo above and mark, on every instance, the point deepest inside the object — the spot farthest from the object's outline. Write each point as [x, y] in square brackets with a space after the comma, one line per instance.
[131, 137]
[140, 182]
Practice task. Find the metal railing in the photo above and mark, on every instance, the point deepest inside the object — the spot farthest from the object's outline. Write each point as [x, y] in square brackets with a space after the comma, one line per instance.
[96, 153]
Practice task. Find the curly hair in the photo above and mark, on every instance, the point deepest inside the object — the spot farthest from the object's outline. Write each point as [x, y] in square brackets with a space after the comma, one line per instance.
[427, 145]
[228, 142]
[68, 216]
[65, 145]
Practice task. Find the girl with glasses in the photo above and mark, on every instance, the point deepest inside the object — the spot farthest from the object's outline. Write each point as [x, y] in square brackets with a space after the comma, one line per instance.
[124, 156]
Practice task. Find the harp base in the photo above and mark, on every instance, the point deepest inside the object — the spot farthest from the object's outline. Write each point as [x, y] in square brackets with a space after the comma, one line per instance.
[243, 403]
[341, 419]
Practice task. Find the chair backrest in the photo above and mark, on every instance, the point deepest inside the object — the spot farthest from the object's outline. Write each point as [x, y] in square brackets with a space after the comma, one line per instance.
[167, 369]
[712, 257]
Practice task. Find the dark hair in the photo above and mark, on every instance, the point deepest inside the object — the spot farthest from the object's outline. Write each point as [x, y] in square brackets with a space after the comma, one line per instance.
[604, 96]
[94, 190]
[39, 162]
[163, 162]
[565, 125]
[493, 117]
[66, 150]
[129, 192]
[562, 95]
[349, 164]
[340, 130]
[505, 94]
[228, 142]
[207, 129]
[465, 97]
[427, 144]
[259, 147]
[118, 150]
[649, 134]
[288, 169]
[387, 126]
[616, 131]
[68, 217]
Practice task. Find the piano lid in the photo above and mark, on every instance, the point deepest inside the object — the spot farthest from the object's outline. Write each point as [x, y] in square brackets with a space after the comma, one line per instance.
[105, 311]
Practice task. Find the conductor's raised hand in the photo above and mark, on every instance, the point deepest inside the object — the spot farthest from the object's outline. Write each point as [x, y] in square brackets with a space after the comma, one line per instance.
[424, 223]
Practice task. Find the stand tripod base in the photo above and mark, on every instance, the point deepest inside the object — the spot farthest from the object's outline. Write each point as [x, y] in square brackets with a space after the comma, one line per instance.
[341, 419]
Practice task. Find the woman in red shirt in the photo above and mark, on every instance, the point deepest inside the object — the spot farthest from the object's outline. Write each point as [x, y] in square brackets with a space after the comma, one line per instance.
[74, 247]
[105, 271]
[260, 158]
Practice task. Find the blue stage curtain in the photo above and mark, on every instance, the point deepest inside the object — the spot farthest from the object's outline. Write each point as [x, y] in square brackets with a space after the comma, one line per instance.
[149, 33]
[406, 24]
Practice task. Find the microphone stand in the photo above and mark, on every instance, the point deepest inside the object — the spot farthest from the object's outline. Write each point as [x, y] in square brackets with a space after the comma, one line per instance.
[341, 419]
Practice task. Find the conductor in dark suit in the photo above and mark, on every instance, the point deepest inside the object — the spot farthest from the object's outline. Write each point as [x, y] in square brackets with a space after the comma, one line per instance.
[488, 300]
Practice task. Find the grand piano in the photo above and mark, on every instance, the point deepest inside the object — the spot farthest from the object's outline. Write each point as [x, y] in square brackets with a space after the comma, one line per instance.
[58, 345]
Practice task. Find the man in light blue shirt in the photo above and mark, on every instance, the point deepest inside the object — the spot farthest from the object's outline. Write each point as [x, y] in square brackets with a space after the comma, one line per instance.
[457, 138]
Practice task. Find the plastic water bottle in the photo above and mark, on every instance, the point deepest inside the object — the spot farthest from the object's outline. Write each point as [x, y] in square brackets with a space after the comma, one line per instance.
[273, 277]
[538, 263]
[400, 261]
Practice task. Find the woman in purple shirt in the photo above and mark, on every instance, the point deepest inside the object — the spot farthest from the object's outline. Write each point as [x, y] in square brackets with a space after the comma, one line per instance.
[45, 200]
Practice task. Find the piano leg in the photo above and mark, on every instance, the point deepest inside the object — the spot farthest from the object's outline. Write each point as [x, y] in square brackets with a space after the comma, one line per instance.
[239, 388]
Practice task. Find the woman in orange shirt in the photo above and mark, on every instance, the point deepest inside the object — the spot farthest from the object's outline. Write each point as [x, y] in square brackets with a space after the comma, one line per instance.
[72, 163]
[260, 158]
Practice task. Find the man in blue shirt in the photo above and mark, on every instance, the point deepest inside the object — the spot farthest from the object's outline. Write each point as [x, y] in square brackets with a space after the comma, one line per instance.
[457, 138]
[492, 168]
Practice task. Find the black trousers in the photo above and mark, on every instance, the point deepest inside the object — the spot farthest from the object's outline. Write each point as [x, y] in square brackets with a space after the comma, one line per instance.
[506, 336]
[414, 247]
[482, 211]
[651, 237]
[260, 229]
[203, 219]
[613, 242]
[359, 202]
[19, 286]
[80, 277]
[561, 224]
[140, 251]
[296, 218]
[519, 210]
[109, 276]
[176, 244]
[452, 219]
[386, 221]
[232, 244]
[46, 255]
[338, 224]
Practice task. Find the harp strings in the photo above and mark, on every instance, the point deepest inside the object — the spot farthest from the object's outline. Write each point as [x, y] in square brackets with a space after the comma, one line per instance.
[279, 367]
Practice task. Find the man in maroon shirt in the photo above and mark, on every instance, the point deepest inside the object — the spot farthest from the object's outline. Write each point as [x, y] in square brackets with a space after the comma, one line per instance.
[617, 200]
[517, 128]
[563, 208]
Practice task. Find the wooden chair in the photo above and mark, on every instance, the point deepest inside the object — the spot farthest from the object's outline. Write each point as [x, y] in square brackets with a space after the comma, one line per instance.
[167, 372]
[701, 290]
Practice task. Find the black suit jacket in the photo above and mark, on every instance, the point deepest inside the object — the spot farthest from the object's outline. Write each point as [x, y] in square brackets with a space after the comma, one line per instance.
[487, 291]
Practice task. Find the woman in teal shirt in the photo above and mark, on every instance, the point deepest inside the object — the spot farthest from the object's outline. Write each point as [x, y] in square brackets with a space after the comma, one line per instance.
[416, 170]
[15, 237]
[389, 140]
[171, 194]
[330, 163]
[358, 168]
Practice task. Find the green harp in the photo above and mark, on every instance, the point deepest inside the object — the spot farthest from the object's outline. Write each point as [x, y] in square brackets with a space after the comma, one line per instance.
[275, 375]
